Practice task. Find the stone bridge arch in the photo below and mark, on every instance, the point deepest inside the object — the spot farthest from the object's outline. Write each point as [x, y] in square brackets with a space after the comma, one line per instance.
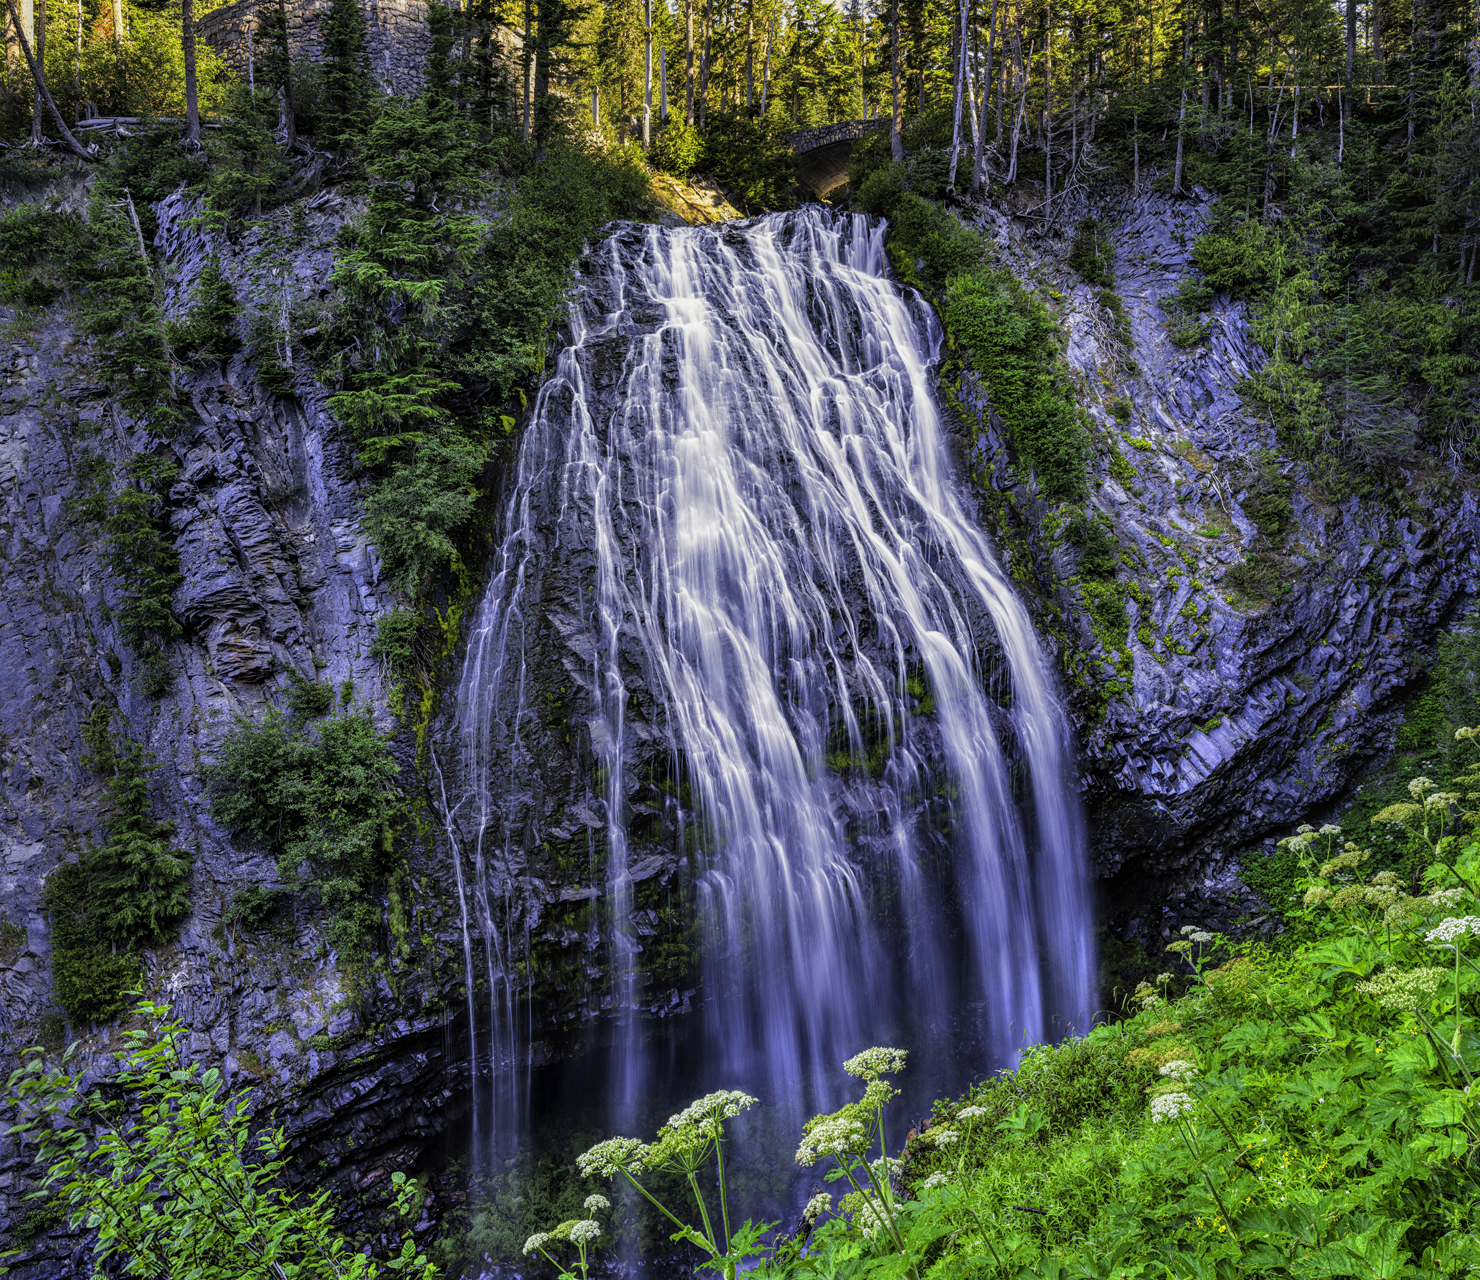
[822, 152]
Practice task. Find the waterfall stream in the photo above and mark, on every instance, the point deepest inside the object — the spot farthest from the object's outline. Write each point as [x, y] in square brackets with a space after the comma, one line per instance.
[736, 537]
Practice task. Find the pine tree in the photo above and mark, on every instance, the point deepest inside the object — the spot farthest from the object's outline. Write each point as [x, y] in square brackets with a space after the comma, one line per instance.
[348, 90]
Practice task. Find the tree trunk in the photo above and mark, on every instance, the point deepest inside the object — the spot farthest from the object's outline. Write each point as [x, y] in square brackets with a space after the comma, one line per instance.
[287, 121]
[704, 66]
[688, 56]
[662, 84]
[961, 73]
[749, 57]
[1351, 49]
[766, 74]
[896, 137]
[118, 32]
[1182, 111]
[187, 49]
[526, 54]
[37, 105]
[647, 75]
[979, 158]
[1048, 121]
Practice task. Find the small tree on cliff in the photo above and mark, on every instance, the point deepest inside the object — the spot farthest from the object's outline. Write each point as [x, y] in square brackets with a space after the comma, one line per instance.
[166, 1168]
[346, 106]
[275, 63]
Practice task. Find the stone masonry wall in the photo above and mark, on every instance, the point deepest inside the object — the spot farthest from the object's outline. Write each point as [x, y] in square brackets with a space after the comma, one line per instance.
[399, 39]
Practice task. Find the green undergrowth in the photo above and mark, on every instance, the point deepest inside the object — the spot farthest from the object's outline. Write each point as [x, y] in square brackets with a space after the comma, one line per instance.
[318, 794]
[1295, 1112]
[127, 894]
[1425, 747]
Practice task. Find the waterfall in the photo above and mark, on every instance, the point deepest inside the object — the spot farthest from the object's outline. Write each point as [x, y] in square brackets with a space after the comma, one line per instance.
[736, 538]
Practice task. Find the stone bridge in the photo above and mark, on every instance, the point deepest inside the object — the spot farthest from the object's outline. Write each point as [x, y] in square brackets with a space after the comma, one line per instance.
[822, 152]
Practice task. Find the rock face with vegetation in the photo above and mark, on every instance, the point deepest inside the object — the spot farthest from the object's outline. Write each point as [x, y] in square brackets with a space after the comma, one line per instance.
[1243, 652]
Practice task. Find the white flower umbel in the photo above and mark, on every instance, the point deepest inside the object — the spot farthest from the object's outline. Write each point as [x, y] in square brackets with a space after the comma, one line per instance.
[607, 1159]
[819, 1204]
[1454, 927]
[1419, 786]
[725, 1104]
[536, 1241]
[942, 1137]
[971, 1113]
[869, 1216]
[1403, 991]
[1201, 937]
[832, 1136]
[1186, 929]
[887, 1167]
[584, 1231]
[873, 1063]
[1330, 829]
[1169, 1106]
[1445, 898]
[1179, 1069]
[936, 1179]
[595, 1203]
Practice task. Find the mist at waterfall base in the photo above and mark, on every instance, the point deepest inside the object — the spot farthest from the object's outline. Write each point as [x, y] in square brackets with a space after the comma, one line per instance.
[743, 624]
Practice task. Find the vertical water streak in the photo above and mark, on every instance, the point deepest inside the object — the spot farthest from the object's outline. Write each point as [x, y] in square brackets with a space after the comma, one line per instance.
[734, 510]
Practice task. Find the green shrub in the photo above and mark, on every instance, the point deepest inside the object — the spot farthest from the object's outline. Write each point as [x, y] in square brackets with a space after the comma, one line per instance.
[396, 635]
[1011, 340]
[253, 908]
[676, 148]
[320, 797]
[1232, 259]
[142, 557]
[208, 332]
[1090, 255]
[1099, 551]
[1270, 499]
[127, 894]
[307, 698]
[749, 158]
[194, 1188]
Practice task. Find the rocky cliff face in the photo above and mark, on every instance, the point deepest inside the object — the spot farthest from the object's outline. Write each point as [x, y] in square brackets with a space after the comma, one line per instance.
[276, 577]
[1236, 719]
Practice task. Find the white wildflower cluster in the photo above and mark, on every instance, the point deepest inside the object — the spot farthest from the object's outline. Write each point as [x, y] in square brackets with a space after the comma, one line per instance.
[1168, 1106]
[942, 1137]
[887, 1167]
[1304, 829]
[536, 1241]
[1201, 937]
[1403, 991]
[873, 1063]
[1441, 800]
[596, 1203]
[1454, 927]
[831, 1136]
[869, 1216]
[725, 1104]
[936, 1179]
[971, 1113]
[1146, 996]
[819, 1204]
[607, 1159]
[1187, 929]
[584, 1231]
[1179, 1069]
[1446, 898]
[1461, 734]
[1419, 786]
[1330, 829]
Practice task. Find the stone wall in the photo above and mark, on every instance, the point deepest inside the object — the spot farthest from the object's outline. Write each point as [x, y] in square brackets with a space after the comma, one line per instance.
[398, 37]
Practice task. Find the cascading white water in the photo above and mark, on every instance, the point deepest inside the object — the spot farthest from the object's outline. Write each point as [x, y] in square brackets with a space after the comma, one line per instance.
[739, 462]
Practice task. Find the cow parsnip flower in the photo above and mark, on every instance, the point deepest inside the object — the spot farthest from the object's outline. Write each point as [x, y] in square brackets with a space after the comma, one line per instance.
[873, 1063]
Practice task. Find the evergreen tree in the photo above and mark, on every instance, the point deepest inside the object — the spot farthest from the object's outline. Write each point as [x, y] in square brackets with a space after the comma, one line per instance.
[346, 103]
[144, 560]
